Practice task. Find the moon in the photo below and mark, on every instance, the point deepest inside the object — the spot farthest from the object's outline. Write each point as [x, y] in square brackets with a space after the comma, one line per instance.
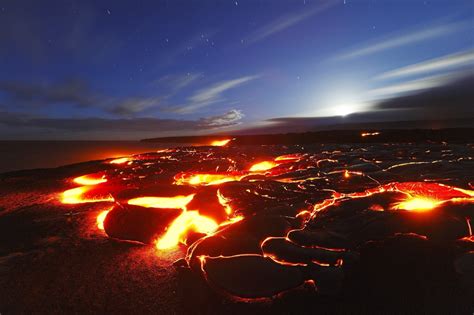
[344, 110]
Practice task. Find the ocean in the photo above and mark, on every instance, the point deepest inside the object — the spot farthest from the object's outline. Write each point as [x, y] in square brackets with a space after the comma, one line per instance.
[20, 155]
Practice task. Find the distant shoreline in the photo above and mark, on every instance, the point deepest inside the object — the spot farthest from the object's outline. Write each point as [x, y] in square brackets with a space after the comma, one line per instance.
[333, 136]
[30, 154]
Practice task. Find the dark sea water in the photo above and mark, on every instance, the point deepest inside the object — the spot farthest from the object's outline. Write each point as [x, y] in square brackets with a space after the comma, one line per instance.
[19, 155]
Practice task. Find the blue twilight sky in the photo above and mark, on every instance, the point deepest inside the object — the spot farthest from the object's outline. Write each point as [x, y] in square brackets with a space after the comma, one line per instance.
[78, 69]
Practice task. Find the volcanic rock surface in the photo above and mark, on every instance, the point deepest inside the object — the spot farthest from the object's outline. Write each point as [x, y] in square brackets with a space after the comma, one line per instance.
[280, 229]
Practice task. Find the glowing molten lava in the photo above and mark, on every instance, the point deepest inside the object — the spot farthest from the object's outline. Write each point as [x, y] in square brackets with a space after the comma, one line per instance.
[224, 202]
[205, 179]
[120, 160]
[262, 166]
[220, 143]
[89, 180]
[176, 202]
[101, 218]
[367, 134]
[289, 157]
[417, 204]
[76, 195]
[186, 222]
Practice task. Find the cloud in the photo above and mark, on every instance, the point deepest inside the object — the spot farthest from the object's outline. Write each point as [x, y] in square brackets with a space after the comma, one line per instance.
[210, 95]
[143, 125]
[443, 63]
[75, 92]
[417, 85]
[71, 91]
[449, 105]
[403, 39]
[177, 82]
[454, 99]
[230, 118]
[133, 106]
[286, 21]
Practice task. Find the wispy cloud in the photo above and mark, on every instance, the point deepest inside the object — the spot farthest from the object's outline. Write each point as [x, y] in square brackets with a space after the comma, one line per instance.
[443, 63]
[453, 99]
[134, 105]
[405, 38]
[287, 21]
[450, 105]
[177, 82]
[72, 126]
[232, 117]
[416, 85]
[77, 93]
[72, 91]
[210, 95]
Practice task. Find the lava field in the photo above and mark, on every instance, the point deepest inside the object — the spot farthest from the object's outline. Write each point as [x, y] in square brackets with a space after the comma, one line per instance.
[356, 228]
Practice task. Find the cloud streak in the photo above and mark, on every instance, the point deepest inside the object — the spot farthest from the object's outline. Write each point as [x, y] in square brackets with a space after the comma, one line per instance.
[85, 125]
[407, 38]
[230, 118]
[176, 83]
[443, 63]
[448, 105]
[132, 106]
[72, 91]
[415, 85]
[210, 95]
[286, 21]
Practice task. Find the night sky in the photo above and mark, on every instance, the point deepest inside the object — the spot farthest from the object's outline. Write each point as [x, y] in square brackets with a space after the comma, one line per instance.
[136, 69]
